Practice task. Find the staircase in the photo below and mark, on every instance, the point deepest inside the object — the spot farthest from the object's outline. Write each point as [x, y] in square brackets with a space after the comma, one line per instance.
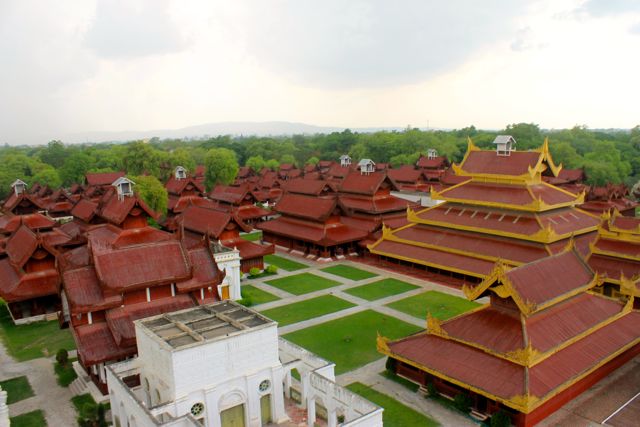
[78, 386]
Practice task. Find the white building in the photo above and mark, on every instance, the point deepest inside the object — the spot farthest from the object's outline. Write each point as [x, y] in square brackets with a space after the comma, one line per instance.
[228, 260]
[366, 166]
[221, 365]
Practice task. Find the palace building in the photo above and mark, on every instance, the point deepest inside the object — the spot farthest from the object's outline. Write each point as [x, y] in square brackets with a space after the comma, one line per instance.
[503, 210]
[127, 271]
[543, 339]
[615, 255]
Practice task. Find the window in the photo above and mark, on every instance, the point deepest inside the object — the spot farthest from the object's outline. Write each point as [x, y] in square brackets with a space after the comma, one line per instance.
[264, 385]
[197, 409]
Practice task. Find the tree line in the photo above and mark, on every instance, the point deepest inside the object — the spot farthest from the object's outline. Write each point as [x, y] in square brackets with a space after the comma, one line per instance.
[606, 156]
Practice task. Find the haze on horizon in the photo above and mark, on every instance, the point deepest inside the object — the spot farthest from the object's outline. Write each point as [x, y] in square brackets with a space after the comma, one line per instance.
[72, 66]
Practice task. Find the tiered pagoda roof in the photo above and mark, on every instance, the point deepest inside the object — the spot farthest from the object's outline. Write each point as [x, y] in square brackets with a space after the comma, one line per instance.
[615, 254]
[502, 210]
[542, 333]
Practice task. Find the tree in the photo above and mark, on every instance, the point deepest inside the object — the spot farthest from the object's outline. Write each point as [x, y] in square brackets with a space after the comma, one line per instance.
[181, 157]
[255, 163]
[141, 158]
[313, 161]
[272, 164]
[527, 135]
[151, 190]
[47, 175]
[76, 165]
[604, 164]
[288, 158]
[566, 154]
[54, 154]
[221, 166]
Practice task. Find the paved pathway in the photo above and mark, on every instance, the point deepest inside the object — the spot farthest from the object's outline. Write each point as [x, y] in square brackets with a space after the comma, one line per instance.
[368, 374]
[49, 396]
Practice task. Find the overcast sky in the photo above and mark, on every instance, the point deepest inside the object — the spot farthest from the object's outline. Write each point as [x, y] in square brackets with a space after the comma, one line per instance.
[113, 65]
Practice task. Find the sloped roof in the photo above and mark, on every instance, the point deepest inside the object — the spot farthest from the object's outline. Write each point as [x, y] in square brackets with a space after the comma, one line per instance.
[318, 233]
[210, 221]
[35, 221]
[405, 173]
[103, 178]
[307, 186]
[115, 209]
[368, 184]
[435, 163]
[177, 186]
[84, 293]
[85, 210]
[314, 208]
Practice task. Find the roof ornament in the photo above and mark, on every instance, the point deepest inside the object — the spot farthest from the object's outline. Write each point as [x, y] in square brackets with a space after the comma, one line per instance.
[432, 153]
[366, 166]
[180, 173]
[505, 144]
[345, 160]
[124, 186]
[19, 186]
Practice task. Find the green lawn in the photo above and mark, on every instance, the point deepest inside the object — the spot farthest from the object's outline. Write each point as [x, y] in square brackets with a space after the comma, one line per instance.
[349, 272]
[17, 389]
[30, 419]
[253, 236]
[308, 309]
[80, 400]
[350, 341]
[257, 296]
[441, 306]
[284, 263]
[65, 374]
[381, 289]
[395, 413]
[302, 283]
[34, 340]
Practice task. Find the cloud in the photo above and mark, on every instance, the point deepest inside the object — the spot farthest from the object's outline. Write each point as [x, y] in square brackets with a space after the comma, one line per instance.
[125, 29]
[357, 43]
[635, 28]
[601, 8]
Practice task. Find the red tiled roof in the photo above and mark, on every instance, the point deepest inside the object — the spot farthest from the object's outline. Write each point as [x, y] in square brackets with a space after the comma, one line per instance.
[96, 344]
[177, 186]
[249, 250]
[205, 271]
[106, 178]
[21, 245]
[405, 173]
[309, 207]
[321, 234]
[435, 163]
[249, 212]
[120, 320]
[116, 210]
[307, 186]
[84, 293]
[622, 247]
[35, 221]
[474, 243]
[16, 285]
[626, 223]
[614, 268]
[549, 278]
[85, 210]
[375, 205]
[488, 162]
[141, 266]
[179, 204]
[209, 221]
[368, 184]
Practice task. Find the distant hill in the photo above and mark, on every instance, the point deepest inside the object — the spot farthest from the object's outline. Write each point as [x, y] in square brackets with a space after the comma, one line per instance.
[214, 129]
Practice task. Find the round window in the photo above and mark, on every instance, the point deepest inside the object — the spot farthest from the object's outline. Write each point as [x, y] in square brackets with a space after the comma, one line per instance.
[264, 385]
[197, 409]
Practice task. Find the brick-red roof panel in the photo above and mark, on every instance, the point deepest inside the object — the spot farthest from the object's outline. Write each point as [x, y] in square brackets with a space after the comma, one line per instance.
[488, 162]
[141, 266]
[358, 183]
[106, 178]
[305, 206]
[85, 209]
[21, 245]
[205, 271]
[84, 293]
[613, 268]
[551, 277]
[96, 344]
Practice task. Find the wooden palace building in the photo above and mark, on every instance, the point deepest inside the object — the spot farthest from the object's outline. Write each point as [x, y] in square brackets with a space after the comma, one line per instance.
[544, 338]
[503, 210]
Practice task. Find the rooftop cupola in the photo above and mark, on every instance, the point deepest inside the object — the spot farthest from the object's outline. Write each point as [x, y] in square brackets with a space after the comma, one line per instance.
[19, 186]
[180, 173]
[432, 153]
[366, 166]
[345, 161]
[505, 144]
[124, 187]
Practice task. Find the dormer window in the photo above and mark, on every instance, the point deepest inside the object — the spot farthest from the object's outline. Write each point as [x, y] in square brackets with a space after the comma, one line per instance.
[124, 186]
[432, 153]
[181, 173]
[19, 186]
[345, 161]
[505, 144]
[366, 166]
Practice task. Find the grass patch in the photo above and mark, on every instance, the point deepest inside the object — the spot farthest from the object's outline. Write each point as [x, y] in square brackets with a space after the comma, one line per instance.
[81, 400]
[441, 306]
[308, 309]
[260, 275]
[253, 236]
[381, 289]
[284, 263]
[349, 272]
[398, 379]
[30, 419]
[38, 339]
[303, 283]
[256, 295]
[65, 374]
[17, 389]
[395, 413]
[350, 341]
